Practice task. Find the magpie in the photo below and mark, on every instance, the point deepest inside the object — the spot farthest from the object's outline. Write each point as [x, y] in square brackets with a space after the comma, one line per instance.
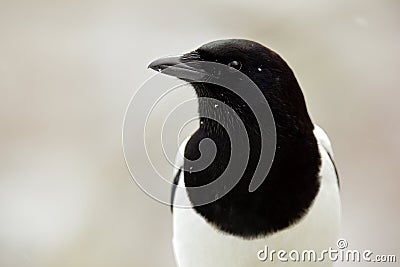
[297, 205]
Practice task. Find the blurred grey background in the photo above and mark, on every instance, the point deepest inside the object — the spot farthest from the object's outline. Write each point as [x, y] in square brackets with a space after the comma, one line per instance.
[69, 68]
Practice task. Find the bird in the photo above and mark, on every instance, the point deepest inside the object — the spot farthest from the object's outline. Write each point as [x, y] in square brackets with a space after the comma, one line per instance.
[295, 208]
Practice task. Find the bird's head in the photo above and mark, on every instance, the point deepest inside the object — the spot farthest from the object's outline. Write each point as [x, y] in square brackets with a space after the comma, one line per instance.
[269, 72]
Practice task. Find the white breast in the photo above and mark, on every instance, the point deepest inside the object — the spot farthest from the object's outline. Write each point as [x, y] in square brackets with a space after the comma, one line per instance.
[198, 244]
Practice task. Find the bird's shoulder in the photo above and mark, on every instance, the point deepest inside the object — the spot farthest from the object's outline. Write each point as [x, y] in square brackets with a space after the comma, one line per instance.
[178, 167]
[325, 143]
[323, 139]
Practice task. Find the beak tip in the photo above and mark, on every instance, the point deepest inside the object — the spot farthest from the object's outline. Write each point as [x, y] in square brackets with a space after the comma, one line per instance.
[165, 62]
[152, 65]
[173, 66]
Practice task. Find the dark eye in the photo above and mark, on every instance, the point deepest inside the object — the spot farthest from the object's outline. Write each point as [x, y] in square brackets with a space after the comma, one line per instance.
[235, 64]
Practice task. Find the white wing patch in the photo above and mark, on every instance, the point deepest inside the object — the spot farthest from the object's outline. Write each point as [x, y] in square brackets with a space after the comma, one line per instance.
[323, 139]
[179, 158]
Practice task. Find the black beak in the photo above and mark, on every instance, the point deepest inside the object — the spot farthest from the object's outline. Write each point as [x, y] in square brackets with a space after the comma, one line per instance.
[174, 66]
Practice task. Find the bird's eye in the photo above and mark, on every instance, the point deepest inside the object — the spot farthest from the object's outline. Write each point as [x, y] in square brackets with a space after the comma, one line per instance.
[235, 64]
